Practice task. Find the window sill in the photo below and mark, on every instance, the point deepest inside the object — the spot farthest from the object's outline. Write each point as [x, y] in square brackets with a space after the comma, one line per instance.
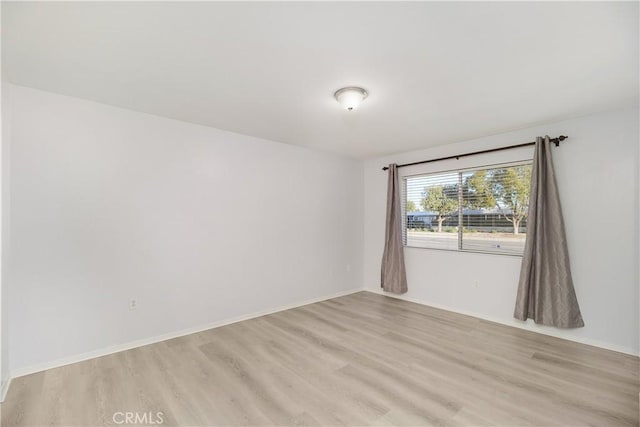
[466, 251]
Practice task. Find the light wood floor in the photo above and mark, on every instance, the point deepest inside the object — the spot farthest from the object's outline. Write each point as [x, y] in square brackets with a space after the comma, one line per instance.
[362, 359]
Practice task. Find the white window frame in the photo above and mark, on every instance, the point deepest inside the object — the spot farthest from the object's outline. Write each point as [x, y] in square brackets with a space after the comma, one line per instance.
[417, 173]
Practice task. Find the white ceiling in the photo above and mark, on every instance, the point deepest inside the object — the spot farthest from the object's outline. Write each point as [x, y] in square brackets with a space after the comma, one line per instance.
[436, 72]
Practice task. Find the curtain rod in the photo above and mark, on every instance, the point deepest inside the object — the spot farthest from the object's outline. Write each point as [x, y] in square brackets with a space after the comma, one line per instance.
[556, 141]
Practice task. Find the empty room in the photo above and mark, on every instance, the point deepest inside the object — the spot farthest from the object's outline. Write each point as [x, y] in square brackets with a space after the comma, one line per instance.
[319, 213]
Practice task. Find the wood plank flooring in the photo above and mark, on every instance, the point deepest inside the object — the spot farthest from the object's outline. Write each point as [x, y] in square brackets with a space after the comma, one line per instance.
[362, 359]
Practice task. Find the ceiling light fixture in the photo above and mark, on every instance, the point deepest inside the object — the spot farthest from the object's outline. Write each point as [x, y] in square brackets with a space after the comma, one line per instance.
[350, 97]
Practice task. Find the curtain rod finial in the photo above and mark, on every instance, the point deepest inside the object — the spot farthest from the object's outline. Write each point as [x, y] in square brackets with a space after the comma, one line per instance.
[559, 139]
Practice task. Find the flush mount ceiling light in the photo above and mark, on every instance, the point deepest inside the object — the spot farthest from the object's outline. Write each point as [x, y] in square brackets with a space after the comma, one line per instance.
[350, 97]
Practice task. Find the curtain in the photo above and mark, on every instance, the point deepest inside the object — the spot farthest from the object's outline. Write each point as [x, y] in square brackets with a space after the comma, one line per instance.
[393, 274]
[545, 288]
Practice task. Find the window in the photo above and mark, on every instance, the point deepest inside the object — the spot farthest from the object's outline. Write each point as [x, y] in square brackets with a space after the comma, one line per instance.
[479, 210]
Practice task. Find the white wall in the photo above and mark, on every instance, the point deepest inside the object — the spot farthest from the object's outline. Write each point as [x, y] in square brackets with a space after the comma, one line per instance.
[4, 144]
[4, 132]
[4, 233]
[199, 225]
[597, 178]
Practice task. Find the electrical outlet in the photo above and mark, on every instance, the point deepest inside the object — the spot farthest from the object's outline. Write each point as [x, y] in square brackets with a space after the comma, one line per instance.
[475, 284]
[133, 304]
[348, 268]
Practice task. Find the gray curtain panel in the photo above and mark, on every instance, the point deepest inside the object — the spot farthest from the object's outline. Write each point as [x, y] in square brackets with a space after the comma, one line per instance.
[545, 289]
[394, 276]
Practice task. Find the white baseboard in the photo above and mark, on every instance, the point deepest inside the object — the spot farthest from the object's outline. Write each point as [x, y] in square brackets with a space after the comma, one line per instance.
[4, 388]
[524, 326]
[146, 341]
